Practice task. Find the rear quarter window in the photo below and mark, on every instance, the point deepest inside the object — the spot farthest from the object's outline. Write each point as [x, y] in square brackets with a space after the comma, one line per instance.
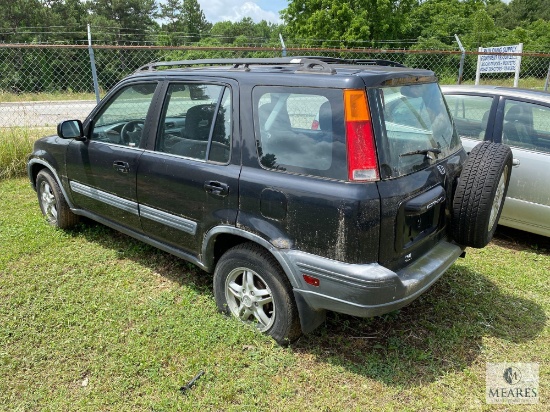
[300, 130]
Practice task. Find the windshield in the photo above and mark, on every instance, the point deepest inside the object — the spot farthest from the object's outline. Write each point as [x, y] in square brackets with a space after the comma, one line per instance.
[415, 128]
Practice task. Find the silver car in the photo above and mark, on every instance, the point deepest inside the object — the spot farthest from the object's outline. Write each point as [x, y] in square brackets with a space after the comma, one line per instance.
[520, 119]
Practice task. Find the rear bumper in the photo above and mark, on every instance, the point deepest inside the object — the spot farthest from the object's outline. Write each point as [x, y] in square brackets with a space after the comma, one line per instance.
[366, 290]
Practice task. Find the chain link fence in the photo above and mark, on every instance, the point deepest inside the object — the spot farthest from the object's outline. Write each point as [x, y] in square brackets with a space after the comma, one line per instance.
[43, 84]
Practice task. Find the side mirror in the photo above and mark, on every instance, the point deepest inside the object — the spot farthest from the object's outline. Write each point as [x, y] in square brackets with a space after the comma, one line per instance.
[71, 129]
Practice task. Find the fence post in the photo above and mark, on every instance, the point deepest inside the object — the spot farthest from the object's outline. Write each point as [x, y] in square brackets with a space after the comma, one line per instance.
[547, 79]
[92, 63]
[282, 44]
[462, 56]
[518, 66]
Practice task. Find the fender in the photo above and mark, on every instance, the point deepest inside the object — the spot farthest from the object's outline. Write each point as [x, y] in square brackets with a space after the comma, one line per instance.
[48, 166]
[310, 319]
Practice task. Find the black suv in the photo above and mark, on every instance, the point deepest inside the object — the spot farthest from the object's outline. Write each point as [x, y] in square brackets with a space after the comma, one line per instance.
[304, 185]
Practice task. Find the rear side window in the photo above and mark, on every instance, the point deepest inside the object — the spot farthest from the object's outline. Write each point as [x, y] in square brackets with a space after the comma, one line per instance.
[300, 130]
[471, 114]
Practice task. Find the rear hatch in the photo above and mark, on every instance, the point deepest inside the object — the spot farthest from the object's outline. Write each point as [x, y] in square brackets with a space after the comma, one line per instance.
[419, 158]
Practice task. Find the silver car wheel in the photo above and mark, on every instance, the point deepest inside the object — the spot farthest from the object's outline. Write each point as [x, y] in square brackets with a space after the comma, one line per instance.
[48, 201]
[499, 198]
[249, 298]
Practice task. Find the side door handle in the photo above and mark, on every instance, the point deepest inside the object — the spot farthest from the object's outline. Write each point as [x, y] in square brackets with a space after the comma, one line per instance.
[121, 166]
[216, 188]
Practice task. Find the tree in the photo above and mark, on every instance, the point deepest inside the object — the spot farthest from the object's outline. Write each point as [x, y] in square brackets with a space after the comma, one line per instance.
[347, 21]
[526, 11]
[193, 21]
[131, 18]
[184, 18]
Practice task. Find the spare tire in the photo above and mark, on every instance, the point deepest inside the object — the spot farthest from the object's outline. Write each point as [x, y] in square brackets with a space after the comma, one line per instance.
[480, 194]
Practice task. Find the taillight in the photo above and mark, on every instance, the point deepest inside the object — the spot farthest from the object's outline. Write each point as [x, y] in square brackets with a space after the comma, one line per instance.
[362, 160]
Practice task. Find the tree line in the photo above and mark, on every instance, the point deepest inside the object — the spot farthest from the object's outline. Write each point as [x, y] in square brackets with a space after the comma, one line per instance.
[333, 23]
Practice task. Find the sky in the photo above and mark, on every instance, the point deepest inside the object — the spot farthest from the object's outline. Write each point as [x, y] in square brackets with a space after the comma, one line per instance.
[235, 10]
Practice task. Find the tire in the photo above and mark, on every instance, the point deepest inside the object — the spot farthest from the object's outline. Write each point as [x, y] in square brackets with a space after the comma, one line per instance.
[52, 202]
[480, 194]
[250, 285]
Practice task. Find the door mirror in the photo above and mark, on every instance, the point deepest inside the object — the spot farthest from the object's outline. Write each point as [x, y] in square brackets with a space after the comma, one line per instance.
[70, 129]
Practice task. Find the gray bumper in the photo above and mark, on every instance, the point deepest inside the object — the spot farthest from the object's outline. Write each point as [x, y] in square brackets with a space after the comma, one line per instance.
[365, 290]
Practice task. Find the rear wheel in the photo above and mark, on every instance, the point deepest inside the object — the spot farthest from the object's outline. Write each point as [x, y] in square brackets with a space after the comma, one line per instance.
[480, 194]
[52, 202]
[250, 285]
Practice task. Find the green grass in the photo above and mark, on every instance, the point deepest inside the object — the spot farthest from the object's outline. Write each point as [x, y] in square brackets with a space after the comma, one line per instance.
[15, 146]
[6, 97]
[93, 320]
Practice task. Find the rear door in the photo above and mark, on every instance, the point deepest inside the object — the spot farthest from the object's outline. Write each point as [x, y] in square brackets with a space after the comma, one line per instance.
[420, 156]
[526, 129]
[187, 180]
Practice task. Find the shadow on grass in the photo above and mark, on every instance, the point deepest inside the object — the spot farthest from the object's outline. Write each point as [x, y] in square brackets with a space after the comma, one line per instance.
[440, 332]
[520, 240]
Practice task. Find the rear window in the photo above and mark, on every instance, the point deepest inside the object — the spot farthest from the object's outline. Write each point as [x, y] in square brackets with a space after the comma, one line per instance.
[300, 130]
[414, 128]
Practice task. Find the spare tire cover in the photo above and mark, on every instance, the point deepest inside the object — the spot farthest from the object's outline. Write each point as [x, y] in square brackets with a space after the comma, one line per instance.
[480, 194]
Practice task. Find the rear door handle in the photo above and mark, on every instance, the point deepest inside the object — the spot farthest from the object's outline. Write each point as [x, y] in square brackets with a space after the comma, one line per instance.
[515, 162]
[216, 188]
[121, 166]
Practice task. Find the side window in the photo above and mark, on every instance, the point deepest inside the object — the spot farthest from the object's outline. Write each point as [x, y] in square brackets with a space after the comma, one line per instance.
[122, 119]
[470, 114]
[196, 122]
[300, 130]
[526, 125]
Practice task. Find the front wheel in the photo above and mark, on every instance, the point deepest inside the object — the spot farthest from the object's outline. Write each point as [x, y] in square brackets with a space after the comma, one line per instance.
[52, 202]
[250, 285]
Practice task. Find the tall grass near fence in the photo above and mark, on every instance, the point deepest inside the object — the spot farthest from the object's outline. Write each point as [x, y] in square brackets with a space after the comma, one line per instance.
[15, 146]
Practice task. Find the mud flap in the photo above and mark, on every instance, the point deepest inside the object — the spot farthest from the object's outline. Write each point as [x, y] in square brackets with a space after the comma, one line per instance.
[309, 319]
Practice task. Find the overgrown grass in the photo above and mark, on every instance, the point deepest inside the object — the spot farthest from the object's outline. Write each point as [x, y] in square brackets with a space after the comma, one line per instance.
[45, 96]
[15, 146]
[91, 319]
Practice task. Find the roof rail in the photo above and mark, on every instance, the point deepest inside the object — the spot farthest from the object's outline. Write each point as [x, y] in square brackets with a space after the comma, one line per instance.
[370, 62]
[305, 64]
[377, 62]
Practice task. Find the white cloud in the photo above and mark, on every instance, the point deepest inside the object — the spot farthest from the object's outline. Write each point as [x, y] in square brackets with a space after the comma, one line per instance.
[235, 10]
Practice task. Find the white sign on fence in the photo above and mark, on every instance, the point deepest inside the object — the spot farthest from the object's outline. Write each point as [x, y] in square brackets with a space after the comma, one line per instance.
[499, 63]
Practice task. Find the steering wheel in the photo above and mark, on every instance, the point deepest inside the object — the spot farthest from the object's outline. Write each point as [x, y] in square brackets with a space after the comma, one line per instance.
[131, 132]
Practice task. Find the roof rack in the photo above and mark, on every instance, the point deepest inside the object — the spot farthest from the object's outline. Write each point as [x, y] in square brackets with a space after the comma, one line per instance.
[368, 62]
[306, 64]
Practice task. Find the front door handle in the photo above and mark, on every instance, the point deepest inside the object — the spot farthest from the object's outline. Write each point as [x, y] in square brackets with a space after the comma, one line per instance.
[216, 188]
[121, 166]
[515, 162]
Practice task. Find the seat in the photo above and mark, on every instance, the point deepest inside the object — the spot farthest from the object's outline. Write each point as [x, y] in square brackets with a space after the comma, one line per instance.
[280, 121]
[484, 122]
[198, 121]
[325, 117]
[515, 130]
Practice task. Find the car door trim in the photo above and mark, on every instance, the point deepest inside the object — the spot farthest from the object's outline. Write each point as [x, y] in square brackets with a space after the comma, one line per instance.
[100, 195]
[168, 219]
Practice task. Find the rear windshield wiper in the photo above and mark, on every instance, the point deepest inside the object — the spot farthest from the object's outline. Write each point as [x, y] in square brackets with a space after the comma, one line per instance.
[433, 150]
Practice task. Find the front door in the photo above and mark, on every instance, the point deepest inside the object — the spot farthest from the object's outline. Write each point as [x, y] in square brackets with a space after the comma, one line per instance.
[102, 169]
